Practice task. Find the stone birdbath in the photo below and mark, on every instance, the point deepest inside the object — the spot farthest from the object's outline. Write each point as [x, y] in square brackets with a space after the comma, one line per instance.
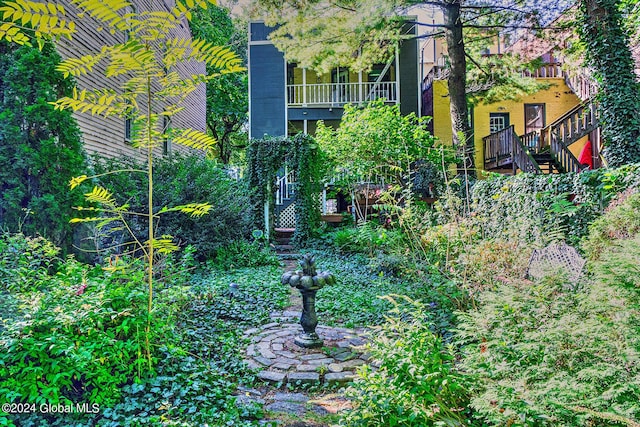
[308, 282]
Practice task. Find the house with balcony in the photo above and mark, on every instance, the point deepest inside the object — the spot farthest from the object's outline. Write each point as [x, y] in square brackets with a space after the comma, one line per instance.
[285, 99]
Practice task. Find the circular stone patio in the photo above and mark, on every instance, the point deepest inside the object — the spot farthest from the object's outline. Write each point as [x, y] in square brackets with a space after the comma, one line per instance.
[282, 361]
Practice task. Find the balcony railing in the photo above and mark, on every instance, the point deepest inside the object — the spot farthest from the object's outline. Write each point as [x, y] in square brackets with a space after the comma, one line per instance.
[336, 94]
[545, 71]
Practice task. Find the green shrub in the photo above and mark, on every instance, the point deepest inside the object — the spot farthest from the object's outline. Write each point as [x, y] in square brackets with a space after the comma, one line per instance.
[240, 253]
[178, 180]
[416, 383]
[25, 262]
[541, 208]
[546, 355]
[621, 221]
[76, 341]
[40, 148]
[366, 238]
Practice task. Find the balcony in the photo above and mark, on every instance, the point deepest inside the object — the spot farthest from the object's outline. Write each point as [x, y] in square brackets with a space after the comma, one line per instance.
[338, 94]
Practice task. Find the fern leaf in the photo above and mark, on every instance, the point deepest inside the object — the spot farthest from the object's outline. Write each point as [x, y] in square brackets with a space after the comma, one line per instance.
[109, 13]
[77, 180]
[194, 210]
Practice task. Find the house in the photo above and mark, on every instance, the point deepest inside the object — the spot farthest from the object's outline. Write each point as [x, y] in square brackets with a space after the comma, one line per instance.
[285, 99]
[111, 136]
[550, 131]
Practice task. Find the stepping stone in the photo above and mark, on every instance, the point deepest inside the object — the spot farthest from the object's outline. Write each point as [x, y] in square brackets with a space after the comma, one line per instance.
[288, 407]
[318, 362]
[272, 376]
[344, 356]
[306, 368]
[277, 346]
[335, 367]
[304, 378]
[291, 397]
[352, 363]
[264, 360]
[339, 377]
[313, 356]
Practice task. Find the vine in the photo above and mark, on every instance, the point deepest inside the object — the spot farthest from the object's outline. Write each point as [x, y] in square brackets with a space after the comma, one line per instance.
[607, 50]
[300, 153]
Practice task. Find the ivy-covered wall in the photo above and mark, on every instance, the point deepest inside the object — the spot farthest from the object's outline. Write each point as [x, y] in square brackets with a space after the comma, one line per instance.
[264, 158]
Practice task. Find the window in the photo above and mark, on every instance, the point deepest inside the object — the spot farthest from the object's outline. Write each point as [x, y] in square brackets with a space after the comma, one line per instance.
[534, 117]
[166, 141]
[498, 121]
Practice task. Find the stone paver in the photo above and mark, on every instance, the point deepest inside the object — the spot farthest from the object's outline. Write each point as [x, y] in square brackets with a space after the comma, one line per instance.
[272, 349]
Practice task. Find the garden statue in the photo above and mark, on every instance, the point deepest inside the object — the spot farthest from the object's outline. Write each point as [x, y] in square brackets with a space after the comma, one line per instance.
[308, 282]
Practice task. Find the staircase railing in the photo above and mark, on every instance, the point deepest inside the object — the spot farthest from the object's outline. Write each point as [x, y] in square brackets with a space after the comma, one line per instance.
[506, 147]
[285, 187]
[522, 157]
[498, 146]
[563, 157]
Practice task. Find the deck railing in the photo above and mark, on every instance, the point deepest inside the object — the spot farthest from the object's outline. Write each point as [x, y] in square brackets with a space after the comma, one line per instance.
[336, 94]
[545, 71]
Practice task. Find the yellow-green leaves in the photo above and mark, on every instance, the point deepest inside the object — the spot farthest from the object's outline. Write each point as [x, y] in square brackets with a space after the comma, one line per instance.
[195, 210]
[46, 19]
[193, 139]
[77, 180]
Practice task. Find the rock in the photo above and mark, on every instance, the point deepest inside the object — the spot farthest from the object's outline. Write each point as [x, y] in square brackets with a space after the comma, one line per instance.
[339, 377]
[272, 376]
[288, 407]
[335, 367]
[290, 397]
[304, 378]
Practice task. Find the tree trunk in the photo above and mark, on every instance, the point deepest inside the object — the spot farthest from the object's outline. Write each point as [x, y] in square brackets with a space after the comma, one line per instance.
[462, 135]
[607, 52]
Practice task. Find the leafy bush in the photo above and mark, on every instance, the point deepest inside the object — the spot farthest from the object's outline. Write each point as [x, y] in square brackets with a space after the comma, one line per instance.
[178, 180]
[77, 340]
[540, 208]
[416, 383]
[622, 221]
[241, 253]
[40, 148]
[25, 262]
[546, 355]
[366, 238]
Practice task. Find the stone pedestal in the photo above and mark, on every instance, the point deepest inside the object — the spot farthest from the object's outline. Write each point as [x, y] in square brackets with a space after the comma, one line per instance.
[309, 338]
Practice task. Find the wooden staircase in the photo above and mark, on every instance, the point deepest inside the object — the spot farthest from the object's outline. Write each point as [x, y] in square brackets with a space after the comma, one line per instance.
[542, 151]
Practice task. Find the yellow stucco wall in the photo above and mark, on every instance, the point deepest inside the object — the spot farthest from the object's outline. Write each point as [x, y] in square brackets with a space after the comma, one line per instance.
[558, 99]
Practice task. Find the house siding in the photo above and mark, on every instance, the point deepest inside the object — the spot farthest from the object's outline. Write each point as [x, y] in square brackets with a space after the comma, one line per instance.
[106, 136]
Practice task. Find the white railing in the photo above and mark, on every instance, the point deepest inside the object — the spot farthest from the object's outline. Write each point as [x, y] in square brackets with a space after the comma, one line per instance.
[341, 93]
[285, 187]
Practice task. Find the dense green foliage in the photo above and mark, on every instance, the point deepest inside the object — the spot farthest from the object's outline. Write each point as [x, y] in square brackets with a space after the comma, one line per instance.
[227, 95]
[416, 382]
[542, 208]
[553, 353]
[74, 334]
[607, 49]
[181, 179]
[40, 149]
[265, 158]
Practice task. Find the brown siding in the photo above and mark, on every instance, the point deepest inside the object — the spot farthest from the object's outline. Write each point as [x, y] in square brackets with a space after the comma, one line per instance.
[105, 136]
